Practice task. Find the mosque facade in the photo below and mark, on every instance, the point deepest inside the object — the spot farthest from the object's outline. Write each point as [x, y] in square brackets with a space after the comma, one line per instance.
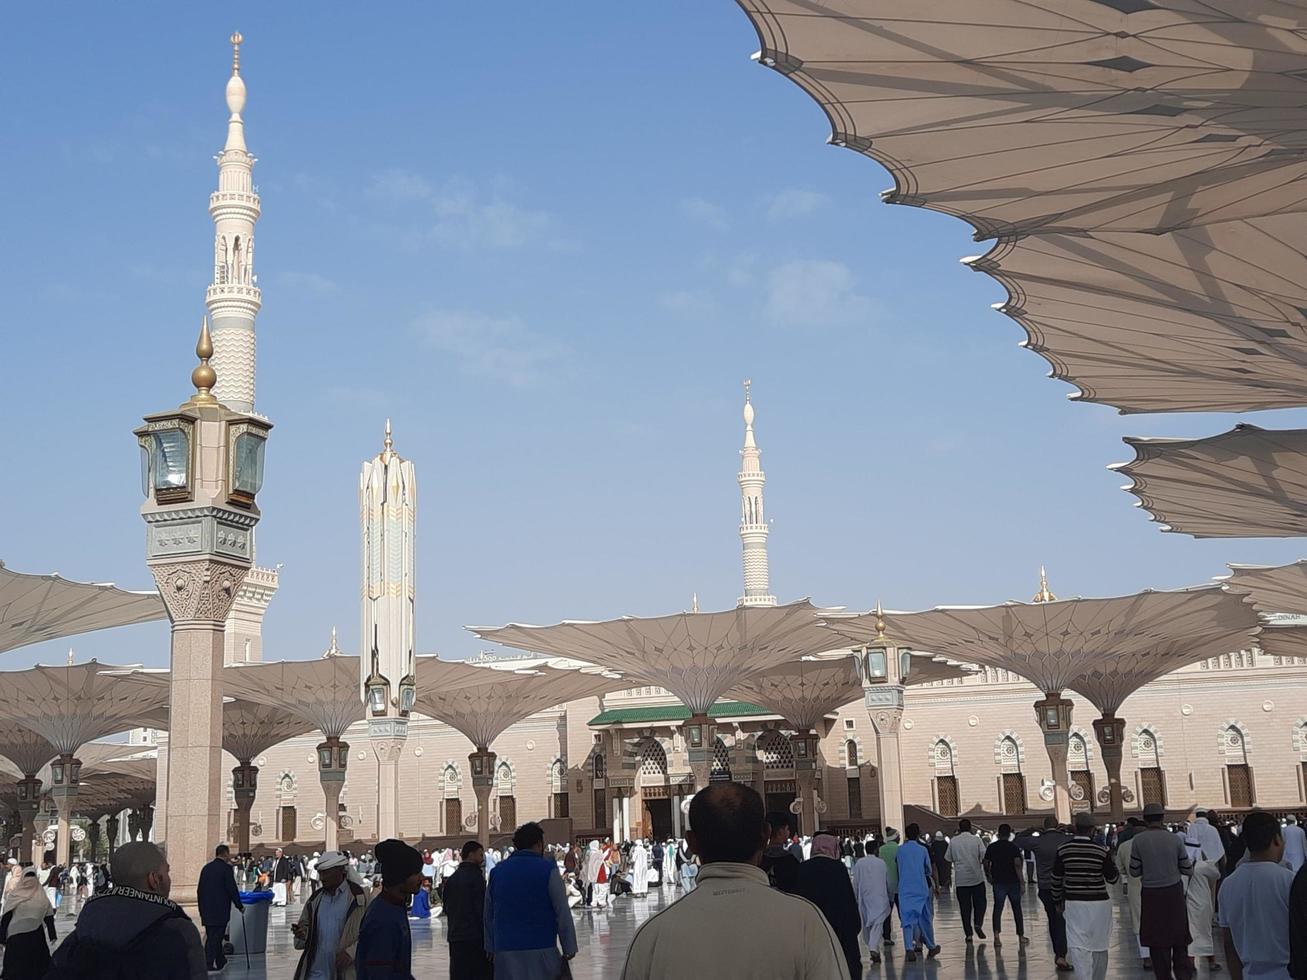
[1227, 733]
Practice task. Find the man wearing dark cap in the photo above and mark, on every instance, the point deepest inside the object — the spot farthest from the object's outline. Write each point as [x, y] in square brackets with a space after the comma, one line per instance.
[1159, 859]
[734, 924]
[385, 948]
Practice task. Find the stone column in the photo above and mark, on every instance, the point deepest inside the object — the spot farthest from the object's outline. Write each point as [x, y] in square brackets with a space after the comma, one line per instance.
[245, 788]
[198, 596]
[699, 732]
[803, 745]
[29, 805]
[1054, 715]
[387, 736]
[93, 835]
[886, 719]
[482, 762]
[333, 758]
[112, 829]
[1109, 730]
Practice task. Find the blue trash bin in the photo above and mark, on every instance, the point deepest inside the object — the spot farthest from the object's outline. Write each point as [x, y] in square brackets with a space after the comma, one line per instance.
[252, 926]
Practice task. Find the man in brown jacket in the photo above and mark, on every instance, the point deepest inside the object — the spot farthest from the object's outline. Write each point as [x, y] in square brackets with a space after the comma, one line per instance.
[328, 927]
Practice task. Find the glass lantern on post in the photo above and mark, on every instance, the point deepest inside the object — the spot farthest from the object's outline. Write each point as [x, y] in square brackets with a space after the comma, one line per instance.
[376, 687]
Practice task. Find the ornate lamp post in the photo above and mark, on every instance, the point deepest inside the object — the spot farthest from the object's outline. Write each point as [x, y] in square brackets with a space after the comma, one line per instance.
[245, 789]
[1109, 730]
[201, 469]
[65, 780]
[333, 760]
[883, 669]
[1053, 712]
[29, 805]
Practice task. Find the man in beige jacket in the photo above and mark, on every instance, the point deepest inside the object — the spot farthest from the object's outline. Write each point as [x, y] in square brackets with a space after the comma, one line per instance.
[733, 925]
[328, 927]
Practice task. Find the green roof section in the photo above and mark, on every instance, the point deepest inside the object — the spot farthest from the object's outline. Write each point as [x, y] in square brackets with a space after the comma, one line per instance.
[676, 712]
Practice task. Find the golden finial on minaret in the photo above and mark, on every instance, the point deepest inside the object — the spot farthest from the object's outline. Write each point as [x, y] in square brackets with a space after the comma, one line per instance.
[204, 377]
[1043, 595]
[880, 621]
[236, 40]
[71, 659]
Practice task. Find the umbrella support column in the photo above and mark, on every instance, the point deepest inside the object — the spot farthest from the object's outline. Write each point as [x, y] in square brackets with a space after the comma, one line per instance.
[1109, 730]
[1054, 714]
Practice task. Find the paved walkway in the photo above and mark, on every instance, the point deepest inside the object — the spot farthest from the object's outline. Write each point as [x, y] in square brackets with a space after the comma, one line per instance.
[604, 937]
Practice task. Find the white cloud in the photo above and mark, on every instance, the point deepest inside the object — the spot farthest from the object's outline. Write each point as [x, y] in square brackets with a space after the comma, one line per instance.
[814, 292]
[705, 213]
[795, 202]
[465, 215]
[500, 348]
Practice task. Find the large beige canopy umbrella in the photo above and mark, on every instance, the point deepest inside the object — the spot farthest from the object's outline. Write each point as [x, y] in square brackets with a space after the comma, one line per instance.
[71, 705]
[697, 656]
[34, 608]
[1279, 594]
[322, 694]
[805, 691]
[483, 701]
[248, 730]
[1245, 483]
[1136, 165]
[1104, 649]
[29, 753]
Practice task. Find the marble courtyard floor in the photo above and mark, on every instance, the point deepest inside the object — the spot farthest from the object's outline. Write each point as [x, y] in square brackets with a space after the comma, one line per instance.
[604, 937]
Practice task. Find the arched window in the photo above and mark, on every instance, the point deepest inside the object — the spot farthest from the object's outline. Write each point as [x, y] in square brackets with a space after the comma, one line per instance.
[653, 760]
[1014, 783]
[1082, 780]
[558, 786]
[598, 765]
[1152, 780]
[721, 760]
[774, 750]
[946, 782]
[1238, 774]
[851, 754]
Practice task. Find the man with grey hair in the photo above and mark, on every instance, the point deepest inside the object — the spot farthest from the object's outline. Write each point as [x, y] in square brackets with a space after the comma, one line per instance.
[133, 926]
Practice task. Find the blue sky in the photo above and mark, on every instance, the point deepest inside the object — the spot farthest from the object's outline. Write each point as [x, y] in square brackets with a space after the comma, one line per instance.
[550, 246]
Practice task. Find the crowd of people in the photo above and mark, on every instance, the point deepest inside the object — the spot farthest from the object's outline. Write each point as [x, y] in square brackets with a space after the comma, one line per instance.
[774, 905]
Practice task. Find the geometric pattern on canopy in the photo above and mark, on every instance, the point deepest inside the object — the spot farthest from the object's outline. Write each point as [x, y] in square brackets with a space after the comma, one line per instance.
[249, 728]
[1105, 649]
[1271, 589]
[325, 692]
[482, 701]
[26, 749]
[806, 691]
[74, 704]
[1137, 166]
[1245, 483]
[34, 608]
[107, 793]
[698, 656]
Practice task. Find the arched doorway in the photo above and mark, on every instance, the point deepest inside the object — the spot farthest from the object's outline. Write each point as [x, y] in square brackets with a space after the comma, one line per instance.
[655, 791]
[1013, 781]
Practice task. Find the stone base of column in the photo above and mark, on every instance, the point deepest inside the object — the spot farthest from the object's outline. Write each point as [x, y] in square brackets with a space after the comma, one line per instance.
[482, 762]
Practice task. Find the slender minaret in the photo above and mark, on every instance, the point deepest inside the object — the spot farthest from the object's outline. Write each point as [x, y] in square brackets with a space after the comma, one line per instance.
[753, 523]
[234, 299]
[388, 523]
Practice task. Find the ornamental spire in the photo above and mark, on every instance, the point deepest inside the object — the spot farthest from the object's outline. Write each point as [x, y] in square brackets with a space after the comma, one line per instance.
[753, 523]
[1043, 595]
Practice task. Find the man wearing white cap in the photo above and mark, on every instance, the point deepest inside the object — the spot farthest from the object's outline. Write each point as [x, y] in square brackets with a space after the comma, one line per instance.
[328, 927]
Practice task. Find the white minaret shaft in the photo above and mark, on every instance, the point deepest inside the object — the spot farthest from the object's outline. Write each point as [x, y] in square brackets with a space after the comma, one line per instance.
[753, 521]
[388, 522]
[234, 299]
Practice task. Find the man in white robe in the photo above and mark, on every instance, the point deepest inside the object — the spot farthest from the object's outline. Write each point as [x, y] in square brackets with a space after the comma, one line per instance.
[639, 869]
[871, 885]
[1200, 892]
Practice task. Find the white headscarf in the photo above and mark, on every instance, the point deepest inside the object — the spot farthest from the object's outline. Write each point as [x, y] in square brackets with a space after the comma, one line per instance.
[28, 904]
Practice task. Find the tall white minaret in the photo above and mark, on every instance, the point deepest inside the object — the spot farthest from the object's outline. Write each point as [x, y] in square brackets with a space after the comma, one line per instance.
[388, 498]
[753, 522]
[234, 299]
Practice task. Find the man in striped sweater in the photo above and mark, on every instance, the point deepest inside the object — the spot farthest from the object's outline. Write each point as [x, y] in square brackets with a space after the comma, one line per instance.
[1079, 880]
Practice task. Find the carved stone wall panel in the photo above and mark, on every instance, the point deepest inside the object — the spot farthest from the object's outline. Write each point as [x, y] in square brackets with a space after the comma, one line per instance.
[198, 590]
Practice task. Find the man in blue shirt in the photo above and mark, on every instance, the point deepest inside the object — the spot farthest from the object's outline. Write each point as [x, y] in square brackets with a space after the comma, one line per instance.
[385, 947]
[917, 891]
[527, 916]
